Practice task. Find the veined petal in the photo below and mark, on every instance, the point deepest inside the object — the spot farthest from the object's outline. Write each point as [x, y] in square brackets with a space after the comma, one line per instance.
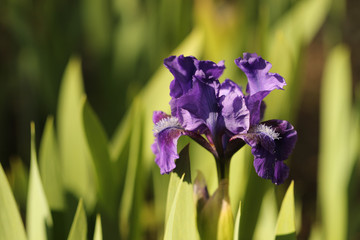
[194, 92]
[198, 109]
[234, 110]
[260, 83]
[271, 143]
[167, 132]
[257, 70]
[183, 69]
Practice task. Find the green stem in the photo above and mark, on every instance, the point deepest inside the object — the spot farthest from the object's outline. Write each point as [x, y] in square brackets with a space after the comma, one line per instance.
[223, 168]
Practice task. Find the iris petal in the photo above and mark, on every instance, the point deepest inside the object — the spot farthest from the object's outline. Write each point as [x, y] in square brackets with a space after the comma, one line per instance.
[234, 110]
[260, 82]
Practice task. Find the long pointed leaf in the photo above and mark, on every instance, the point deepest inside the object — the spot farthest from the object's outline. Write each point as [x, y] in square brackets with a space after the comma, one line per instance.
[38, 217]
[50, 167]
[11, 226]
[285, 228]
[78, 175]
[78, 229]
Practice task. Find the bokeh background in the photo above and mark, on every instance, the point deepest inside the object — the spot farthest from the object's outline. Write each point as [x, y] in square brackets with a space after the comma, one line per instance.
[122, 43]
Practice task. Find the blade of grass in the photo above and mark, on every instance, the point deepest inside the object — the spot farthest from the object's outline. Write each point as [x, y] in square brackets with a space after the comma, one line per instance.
[334, 158]
[38, 217]
[78, 229]
[285, 227]
[50, 168]
[78, 174]
[11, 226]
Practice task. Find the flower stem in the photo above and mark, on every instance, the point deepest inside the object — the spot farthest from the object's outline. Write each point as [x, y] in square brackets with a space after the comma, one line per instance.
[223, 168]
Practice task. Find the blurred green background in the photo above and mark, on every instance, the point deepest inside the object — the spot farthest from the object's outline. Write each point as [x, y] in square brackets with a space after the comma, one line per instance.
[314, 44]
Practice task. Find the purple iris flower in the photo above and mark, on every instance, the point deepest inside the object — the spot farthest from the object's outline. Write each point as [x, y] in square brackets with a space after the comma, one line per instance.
[221, 118]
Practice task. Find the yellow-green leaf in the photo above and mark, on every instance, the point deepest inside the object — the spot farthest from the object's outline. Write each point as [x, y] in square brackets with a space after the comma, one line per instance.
[11, 226]
[78, 229]
[181, 213]
[78, 174]
[50, 168]
[98, 145]
[38, 217]
[335, 162]
[285, 227]
[98, 229]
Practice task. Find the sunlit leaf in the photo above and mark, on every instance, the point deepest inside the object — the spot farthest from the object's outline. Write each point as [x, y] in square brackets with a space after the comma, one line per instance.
[98, 229]
[237, 223]
[285, 227]
[267, 217]
[98, 145]
[78, 175]
[334, 157]
[128, 196]
[225, 228]
[180, 202]
[11, 226]
[78, 229]
[38, 217]
[50, 168]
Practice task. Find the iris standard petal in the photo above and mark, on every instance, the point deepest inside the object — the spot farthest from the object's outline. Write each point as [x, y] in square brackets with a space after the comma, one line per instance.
[233, 108]
[260, 79]
[198, 109]
[183, 70]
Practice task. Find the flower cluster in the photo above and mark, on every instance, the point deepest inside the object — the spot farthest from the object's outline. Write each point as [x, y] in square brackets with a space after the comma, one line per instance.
[221, 118]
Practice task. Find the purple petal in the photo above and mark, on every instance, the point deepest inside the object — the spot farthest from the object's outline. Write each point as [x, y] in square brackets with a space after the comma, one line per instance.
[271, 143]
[183, 69]
[256, 70]
[198, 109]
[264, 167]
[167, 132]
[234, 111]
[281, 173]
[260, 83]
[288, 137]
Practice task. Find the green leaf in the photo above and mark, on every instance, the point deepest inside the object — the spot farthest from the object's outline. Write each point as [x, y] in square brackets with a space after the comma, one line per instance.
[181, 213]
[50, 168]
[38, 217]
[267, 217]
[98, 228]
[78, 229]
[225, 228]
[285, 227]
[77, 170]
[19, 181]
[129, 201]
[11, 226]
[98, 145]
[335, 162]
[237, 223]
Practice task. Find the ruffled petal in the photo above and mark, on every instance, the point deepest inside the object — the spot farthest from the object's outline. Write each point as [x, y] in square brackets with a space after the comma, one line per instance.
[183, 69]
[198, 109]
[271, 143]
[234, 110]
[167, 132]
[257, 70]
[260, 83]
